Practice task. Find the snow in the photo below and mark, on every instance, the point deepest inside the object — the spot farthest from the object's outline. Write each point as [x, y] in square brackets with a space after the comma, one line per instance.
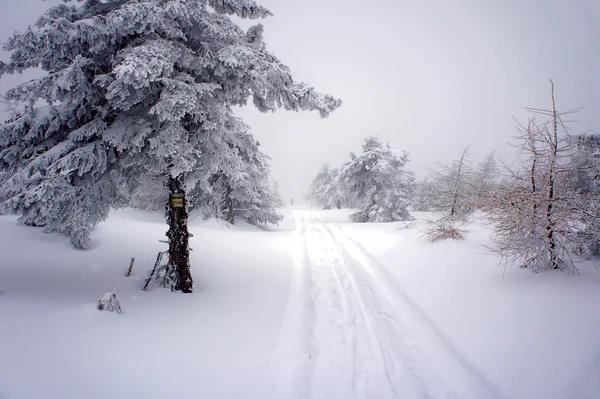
[315, 308]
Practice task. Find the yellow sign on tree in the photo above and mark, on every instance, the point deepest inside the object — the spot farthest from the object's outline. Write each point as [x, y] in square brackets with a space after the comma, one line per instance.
[176, 200]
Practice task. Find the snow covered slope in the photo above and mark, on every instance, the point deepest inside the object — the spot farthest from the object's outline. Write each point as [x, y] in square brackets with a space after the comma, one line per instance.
[316, 308]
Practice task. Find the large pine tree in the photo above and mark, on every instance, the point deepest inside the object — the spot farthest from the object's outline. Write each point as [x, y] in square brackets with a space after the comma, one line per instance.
[132, 86]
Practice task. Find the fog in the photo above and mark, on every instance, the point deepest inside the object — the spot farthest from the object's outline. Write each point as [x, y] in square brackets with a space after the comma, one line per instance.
[429, 77]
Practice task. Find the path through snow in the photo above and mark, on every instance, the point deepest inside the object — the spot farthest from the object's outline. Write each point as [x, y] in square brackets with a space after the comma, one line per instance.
[351, 332]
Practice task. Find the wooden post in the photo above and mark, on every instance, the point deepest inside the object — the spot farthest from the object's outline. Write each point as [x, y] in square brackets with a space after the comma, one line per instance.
[130, 267]
[156, 266]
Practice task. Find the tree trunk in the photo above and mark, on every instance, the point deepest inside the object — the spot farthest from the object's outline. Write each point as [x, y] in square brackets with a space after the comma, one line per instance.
[179, 250]
[227, 207]
[458, 185]
[551, 181]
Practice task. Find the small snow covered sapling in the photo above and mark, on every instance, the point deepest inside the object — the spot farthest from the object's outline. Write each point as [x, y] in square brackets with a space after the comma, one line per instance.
[451, 192]
[110, 303]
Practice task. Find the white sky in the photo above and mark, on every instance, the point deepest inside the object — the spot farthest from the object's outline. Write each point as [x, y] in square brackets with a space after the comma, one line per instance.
[428, 76]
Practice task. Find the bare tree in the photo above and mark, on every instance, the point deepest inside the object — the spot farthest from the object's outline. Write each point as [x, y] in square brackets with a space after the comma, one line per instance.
[453, 186]
[452, 196]
[484, 180]
[539, 218]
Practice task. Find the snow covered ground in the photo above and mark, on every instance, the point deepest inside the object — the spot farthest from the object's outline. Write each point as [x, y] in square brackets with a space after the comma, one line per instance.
[316, 308]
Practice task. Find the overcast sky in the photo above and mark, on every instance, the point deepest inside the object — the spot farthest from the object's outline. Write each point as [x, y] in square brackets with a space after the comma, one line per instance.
[428, 76]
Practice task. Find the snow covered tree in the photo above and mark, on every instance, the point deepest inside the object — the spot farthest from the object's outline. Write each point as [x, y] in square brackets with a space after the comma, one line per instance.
[336, 193]
[378, 180]
[329, 190]
[584, 179]
[241, 187]
[426, 196]
[541, 220]
[453, 187]
[279, 202]
[317, 192]
[151, 193]
[485, 177]
[132, 87]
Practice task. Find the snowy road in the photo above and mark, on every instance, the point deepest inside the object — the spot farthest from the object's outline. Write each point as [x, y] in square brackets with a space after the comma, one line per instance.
[351, 332]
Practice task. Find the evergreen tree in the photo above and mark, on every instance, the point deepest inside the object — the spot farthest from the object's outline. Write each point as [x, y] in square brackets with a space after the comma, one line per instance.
[241, 187]
[317, 192]
[485, 178]
[279, 202]
[379, 182]
[329, 190]
[336, 192]
[133, 86]
[584, 179]
[151, 193]
[426, 196]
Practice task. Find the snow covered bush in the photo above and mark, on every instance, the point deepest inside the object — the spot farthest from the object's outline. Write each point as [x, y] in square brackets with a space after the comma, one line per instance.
[443, 229]
[109, 302]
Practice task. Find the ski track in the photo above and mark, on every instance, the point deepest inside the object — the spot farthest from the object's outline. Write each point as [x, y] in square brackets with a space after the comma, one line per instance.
[362, 335]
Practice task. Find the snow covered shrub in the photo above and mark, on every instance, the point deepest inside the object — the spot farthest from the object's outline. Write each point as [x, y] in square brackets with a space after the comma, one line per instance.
[109, 302]
[406, 225]
[443, 229]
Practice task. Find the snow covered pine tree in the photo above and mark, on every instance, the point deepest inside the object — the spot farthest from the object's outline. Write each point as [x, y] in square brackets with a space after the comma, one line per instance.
[317, 192]
[379, 182]
[240, 187]
[132, 86]
[279, 202]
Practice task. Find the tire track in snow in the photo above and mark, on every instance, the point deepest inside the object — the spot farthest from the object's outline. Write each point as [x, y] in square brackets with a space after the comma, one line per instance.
[375, 372]
[359, 337]
[296, 350]
[369, 365]
[333, 369]
[397, 366]
[455, 362]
